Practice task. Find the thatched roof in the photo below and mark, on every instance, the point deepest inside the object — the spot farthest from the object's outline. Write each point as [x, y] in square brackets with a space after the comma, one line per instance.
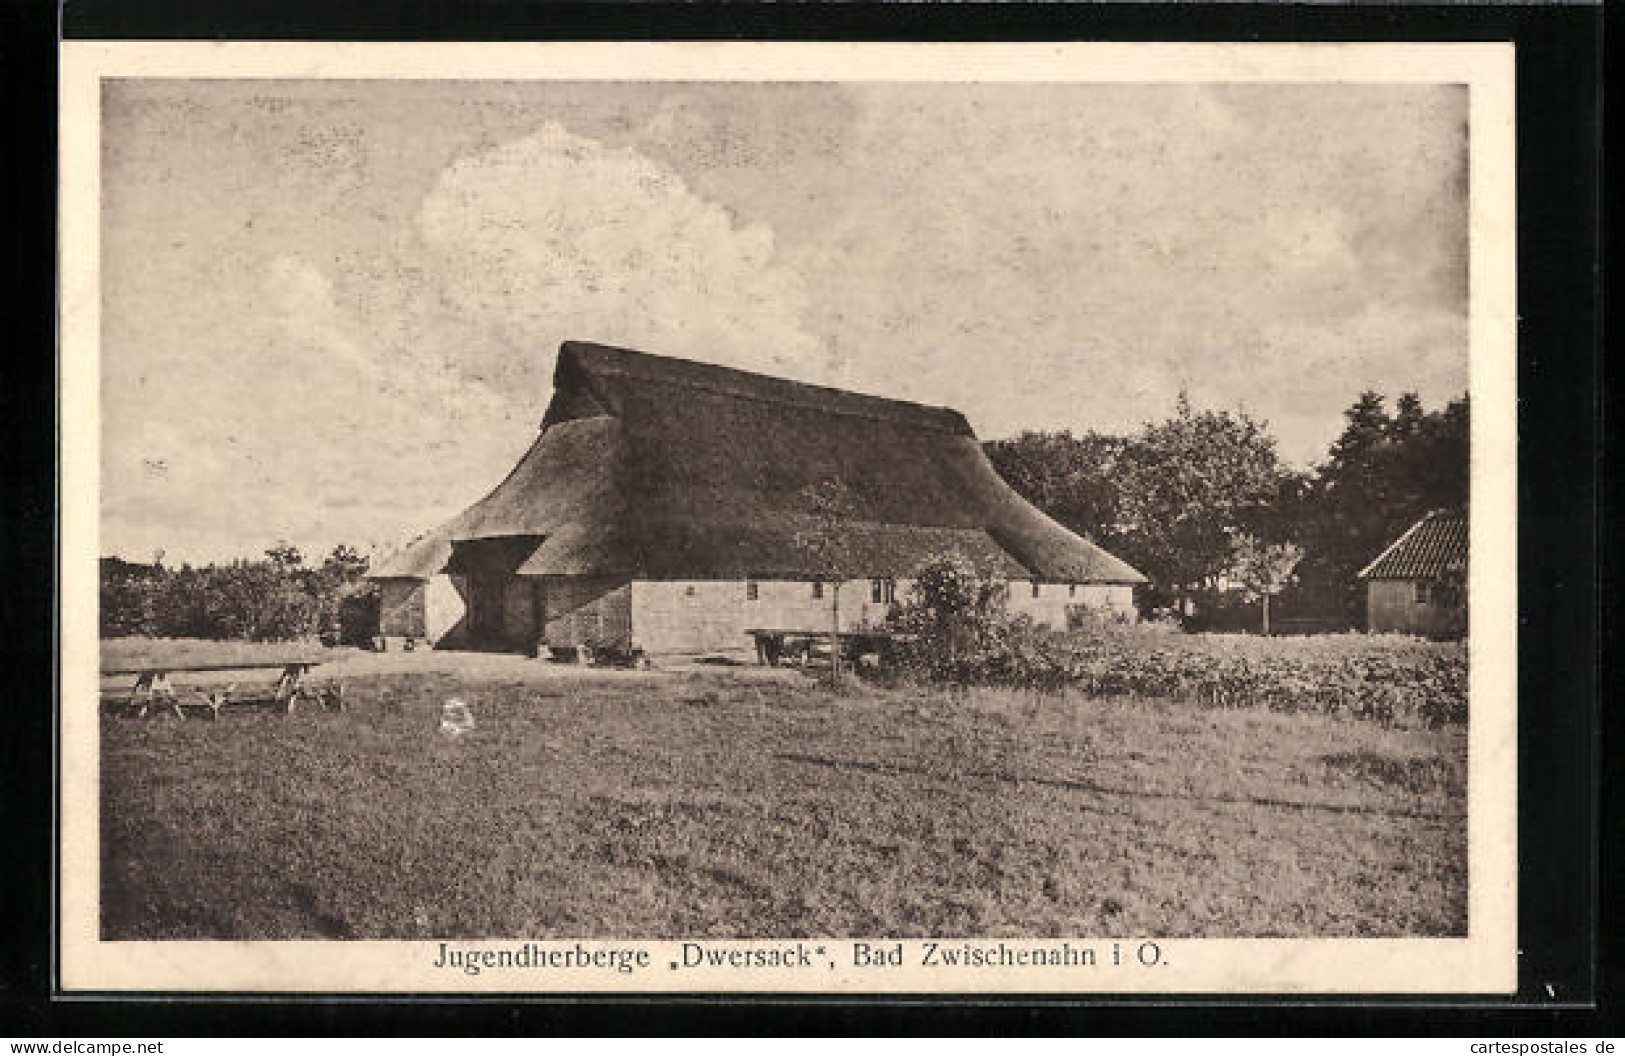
[1430, 548]
[669, 469]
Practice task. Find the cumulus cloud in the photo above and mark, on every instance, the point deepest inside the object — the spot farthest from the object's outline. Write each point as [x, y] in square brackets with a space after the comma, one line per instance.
[554, 235]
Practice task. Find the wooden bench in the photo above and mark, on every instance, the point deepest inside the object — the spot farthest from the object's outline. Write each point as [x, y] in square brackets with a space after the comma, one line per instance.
[153, 689]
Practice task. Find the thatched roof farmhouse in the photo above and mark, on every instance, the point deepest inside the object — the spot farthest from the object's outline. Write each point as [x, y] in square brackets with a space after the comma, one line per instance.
[665, 506]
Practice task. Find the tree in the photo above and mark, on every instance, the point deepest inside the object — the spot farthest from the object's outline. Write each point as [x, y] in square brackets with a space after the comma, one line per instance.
[826, 543]
[345, 564]
[129, 597]
[285, 557]
[1439, 459]
[952, 606]
[1381, 475]
[1366, 430]
[1071, 478]
[348, 603]
[1408, 418]
[1263, 570]
[1185, 484]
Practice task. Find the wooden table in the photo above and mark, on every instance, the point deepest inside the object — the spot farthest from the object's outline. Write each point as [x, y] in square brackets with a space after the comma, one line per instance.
[773, 643]
[153, 689]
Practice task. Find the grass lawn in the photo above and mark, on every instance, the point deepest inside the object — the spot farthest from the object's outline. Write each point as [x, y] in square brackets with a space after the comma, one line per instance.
[135, 651]
[662, 805]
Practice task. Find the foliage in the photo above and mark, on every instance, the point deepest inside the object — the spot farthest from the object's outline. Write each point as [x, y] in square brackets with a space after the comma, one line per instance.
[275, 599]
[954, 631]
[1171, 498]
[824, 539]
[1187, 483]
[357, 616]
[1262, 570]
[1071, 478]
[1391, 680]
[348, 603]
[128, 598]
[1165, 498]
[826, 543]
[1383, 473]
[948, 588]
[952, 611]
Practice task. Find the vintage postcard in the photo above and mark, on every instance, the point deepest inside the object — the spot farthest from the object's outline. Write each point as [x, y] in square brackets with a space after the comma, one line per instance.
[815, 518]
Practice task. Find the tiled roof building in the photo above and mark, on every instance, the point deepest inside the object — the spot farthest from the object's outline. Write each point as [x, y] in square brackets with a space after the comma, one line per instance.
[1418, 585]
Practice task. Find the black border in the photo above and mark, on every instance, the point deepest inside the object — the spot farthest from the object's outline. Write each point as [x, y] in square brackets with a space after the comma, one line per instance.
[1560, 388]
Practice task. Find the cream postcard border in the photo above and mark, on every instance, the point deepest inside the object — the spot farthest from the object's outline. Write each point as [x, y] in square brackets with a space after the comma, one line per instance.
[1484, 962]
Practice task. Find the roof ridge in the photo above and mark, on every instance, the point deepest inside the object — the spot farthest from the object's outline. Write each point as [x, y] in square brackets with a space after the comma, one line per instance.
[1395, 545]
[955, 423]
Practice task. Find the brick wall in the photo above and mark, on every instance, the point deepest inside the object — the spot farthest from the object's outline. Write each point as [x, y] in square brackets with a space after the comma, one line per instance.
[587, 609]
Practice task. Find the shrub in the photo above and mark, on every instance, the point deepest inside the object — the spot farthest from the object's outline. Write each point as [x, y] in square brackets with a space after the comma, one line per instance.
[273, 599]
[129, 598]
[1383, 679]
[358, 615]
[949, 617]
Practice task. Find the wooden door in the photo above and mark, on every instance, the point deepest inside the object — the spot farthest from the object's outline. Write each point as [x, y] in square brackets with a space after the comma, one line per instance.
[485, 606]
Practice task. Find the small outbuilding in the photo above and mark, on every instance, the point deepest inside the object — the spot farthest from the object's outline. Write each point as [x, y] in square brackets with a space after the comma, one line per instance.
[1419, 584]
[664, 508]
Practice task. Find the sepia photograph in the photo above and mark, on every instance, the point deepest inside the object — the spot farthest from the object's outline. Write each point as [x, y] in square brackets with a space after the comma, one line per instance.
[807, 517]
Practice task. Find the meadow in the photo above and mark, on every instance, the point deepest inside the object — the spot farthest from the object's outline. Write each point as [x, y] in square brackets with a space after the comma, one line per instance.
[734, 803]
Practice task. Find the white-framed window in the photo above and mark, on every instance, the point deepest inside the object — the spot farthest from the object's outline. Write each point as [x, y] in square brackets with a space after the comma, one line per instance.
[818, 589]
[1071, 590]
[882, 591]
[753, 590]
[1037, 586]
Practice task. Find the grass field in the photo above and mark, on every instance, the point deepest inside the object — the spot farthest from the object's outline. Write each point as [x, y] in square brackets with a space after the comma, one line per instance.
[118, 653]
[726, 804]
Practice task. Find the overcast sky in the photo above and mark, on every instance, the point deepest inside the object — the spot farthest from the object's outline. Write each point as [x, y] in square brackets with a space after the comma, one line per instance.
[330, 309]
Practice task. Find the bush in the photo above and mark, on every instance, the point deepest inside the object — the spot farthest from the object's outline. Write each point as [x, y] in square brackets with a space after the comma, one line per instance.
[129, 598]
[950, 616]
[271, 600]
[358, 615]
[961, 640]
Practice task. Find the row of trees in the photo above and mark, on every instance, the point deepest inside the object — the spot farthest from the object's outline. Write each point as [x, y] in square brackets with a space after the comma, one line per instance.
[276, 598]
[1203, 505]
